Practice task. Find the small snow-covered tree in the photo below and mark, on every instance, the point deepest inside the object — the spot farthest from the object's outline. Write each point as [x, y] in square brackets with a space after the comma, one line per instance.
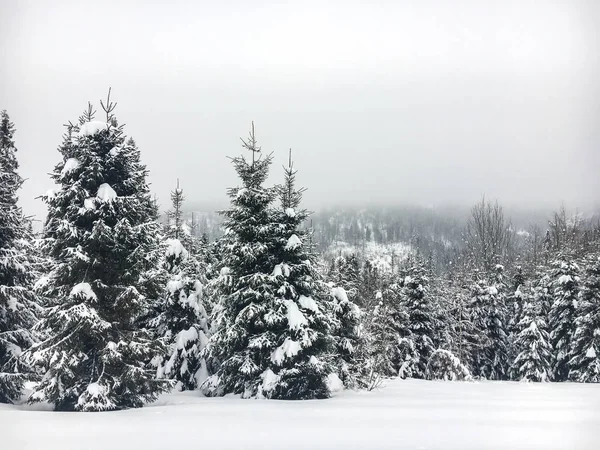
[184, 322]
[175, 214]
[178, 228]
[444, 365]
[488, 312]
[585, 353]
[391, 348]
[347, 336]
[18, 303]
[383, 333]
[564, 289]
[532, 346]
[344, 272]
[101, 226]
[516, 301]
[421, 327]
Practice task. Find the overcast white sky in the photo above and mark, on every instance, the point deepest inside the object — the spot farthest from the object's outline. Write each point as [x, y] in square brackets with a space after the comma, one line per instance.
[390, 102]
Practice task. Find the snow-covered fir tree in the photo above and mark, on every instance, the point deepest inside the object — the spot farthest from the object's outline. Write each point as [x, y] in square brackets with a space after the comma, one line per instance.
[182, 320]
[371, 282]
[564, 289]
[183, 323]
[101, 225]
[488, 313]
[585, 354]
[175, 222]
[444, 365]
[178, 228]
[386, 330]
[301, 325]
[267, 318]
[422, 323]
[515, 300]
[18, 303]
[344, 272]
[532, 347]
[457, 332]
[349, 341]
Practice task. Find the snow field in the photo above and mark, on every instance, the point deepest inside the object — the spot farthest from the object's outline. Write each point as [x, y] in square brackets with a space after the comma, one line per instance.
[405, 414]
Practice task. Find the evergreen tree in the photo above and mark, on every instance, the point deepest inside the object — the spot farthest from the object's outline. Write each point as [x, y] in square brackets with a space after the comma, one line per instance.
[175, 214]
[444, 365]
[564, 288]
[101, 226]
[585, 359]
[534, 353]
[181, 320]
[421, 317]
[344, 272]
[349, 344]
[250, 315]
[488, 312]
[18, 305]
[516, 301]
[184, 322]
[177, 228]
[387, 335]
[300, 362]
[458, 333]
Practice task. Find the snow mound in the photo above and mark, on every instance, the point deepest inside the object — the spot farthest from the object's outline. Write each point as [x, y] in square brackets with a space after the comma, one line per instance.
[293, 242]
[12, 304]
[41, 283]
[564, 279]
[88, 203]
[174, 284]
[290, 212]
[334, 383]
[83, 289]
[71, 164]
[295, 318]
[106, 193]
[91, 128]
[176, 249]
[288, 349]
[270, 380]
[339, 293]
[591, 353]
[308, 303]
[281, 270]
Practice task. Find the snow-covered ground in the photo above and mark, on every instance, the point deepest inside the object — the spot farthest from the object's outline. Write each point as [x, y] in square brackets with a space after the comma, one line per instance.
[407, 414]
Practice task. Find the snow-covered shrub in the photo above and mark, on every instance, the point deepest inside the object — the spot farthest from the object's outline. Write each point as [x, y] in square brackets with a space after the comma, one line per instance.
[443, 365]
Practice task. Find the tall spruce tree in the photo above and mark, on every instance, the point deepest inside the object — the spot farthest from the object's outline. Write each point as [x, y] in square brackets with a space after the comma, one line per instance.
[101, 225]
[585, 354]
[564, 289]
[247, 318]
[18, 305]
